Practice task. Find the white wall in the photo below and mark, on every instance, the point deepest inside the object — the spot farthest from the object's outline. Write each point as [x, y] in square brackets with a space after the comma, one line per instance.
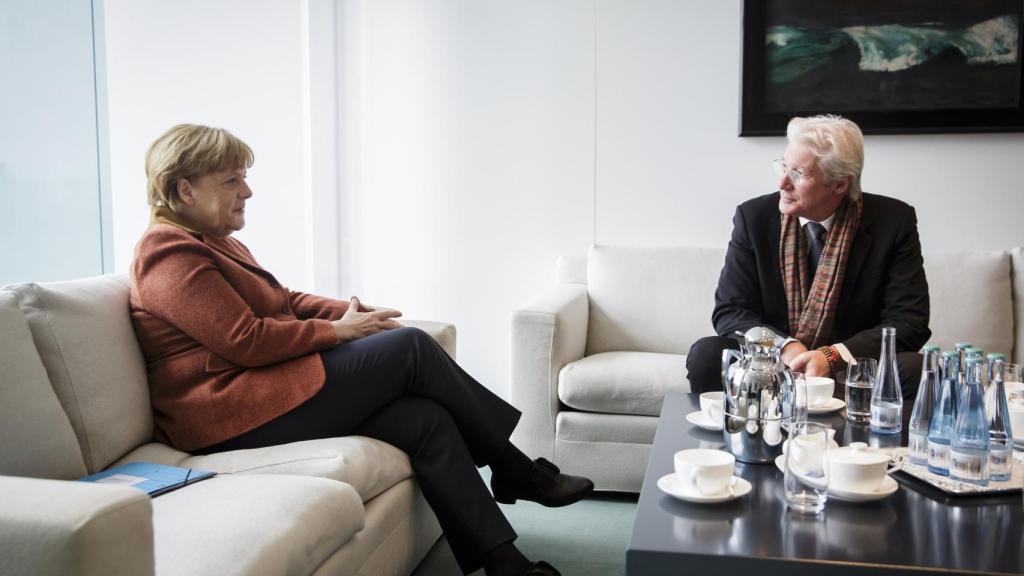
[468, 158]
[478, 140]
[229, 63]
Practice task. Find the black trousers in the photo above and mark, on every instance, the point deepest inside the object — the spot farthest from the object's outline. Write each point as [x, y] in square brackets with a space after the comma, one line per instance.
[402, 388]
[704, 366]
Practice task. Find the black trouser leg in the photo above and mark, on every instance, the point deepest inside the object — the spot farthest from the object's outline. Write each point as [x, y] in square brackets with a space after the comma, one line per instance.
[704, 363]
[472, 522]
[910, 372]
[374, 371]
[371, 380]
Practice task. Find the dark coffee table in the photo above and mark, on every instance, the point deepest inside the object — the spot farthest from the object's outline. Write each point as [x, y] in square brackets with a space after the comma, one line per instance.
[917, 530]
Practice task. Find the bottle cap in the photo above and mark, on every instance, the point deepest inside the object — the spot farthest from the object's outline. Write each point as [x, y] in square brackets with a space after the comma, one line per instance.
[996, 356]
[975, 352]
[931, 348]
[962, 345]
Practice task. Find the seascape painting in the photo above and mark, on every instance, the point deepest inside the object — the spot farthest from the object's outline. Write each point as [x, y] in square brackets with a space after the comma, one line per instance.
[899, 65]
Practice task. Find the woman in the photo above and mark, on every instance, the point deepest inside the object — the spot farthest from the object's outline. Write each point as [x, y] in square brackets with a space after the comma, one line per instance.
[237, 361]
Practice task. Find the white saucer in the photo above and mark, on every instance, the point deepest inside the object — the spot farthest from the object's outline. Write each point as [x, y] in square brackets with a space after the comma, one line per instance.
[670, 485]
[699, 419]
[888, 487]
[832, 405]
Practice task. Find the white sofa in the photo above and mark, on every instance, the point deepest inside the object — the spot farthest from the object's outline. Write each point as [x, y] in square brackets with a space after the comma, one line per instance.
[74, 400]
[592, 357]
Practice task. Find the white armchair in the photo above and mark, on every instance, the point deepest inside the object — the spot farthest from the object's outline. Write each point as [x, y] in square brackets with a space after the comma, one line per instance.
[592, 357]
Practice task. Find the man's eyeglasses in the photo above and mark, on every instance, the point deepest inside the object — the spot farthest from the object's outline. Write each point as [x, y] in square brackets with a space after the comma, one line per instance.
[795, 175]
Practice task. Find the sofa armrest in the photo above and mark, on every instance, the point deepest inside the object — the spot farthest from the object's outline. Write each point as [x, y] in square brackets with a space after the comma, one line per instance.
[59, 527]
[548, 332]
[443, 332]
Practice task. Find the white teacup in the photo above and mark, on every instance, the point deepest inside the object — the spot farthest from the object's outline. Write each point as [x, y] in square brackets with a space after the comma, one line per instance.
[711, 405]
[857, 468]
[1014, 391]
[704, 471]
[819, 390]
[829, 432]
[1017, 417]
[808, 449]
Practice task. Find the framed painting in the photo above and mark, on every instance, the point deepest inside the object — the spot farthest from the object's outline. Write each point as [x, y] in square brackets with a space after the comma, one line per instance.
[892, 66]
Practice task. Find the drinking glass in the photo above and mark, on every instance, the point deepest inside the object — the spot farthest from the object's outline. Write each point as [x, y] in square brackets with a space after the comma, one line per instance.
[796, 400]
[806, 479]
[1013, 379]
[860, 379]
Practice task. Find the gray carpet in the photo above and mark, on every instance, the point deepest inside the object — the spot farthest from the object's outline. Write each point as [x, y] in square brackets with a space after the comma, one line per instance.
[588, 538]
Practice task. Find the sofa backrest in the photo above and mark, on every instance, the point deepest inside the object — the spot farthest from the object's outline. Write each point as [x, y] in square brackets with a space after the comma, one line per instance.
[972, 300]
[36, 438]
[660, 299]
[84, 337]
[650, 299]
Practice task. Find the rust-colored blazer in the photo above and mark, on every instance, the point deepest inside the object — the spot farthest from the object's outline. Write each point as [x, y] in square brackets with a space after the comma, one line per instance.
[227, 347]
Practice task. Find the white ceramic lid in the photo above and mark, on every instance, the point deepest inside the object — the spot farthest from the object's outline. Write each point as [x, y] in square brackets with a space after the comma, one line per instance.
[858, 453]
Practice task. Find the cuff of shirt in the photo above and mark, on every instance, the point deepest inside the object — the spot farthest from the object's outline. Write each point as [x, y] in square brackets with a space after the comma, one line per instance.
[844, 352]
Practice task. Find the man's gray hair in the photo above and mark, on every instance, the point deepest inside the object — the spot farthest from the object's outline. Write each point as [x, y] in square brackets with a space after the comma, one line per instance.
[836, 141]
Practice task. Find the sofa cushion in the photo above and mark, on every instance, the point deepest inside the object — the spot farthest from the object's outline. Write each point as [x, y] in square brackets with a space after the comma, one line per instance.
[650, 299]
[369, 465]
[971, 299]
[37, 437]
[253, 524]
[622, 382]
[84, 336]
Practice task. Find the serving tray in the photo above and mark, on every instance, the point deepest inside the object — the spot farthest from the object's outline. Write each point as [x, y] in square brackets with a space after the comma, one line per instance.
[898, 462]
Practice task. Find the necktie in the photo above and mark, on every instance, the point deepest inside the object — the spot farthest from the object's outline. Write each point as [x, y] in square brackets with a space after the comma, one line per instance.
[817, 236]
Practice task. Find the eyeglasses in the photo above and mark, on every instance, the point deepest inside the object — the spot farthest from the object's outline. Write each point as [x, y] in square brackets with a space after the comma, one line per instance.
[795, 175]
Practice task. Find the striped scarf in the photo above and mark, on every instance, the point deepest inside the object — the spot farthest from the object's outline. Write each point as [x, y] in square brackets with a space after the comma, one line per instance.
[812, 302]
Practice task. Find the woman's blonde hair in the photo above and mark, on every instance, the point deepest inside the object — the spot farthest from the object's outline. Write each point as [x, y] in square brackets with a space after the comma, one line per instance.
[836, 141]
[189, 151]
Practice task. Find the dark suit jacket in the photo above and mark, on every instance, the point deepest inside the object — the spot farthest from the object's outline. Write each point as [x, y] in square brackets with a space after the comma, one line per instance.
[227, 347]
[885, 284]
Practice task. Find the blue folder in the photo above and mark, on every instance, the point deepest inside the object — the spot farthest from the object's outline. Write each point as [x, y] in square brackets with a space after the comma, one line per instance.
[153, 479]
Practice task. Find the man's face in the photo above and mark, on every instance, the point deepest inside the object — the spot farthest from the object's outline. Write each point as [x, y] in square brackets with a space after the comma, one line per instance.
[809, 194]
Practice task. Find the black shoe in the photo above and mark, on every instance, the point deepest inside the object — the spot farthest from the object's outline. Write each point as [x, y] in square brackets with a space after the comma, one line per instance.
[542, 568]
[544, 485]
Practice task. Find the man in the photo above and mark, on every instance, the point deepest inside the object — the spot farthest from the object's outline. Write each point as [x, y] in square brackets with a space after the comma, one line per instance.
[821, 263]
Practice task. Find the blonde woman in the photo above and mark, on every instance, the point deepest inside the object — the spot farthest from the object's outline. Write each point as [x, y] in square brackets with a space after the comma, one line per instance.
[236, 361]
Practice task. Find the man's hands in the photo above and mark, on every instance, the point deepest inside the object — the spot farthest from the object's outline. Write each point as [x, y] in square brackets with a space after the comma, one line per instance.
[361, 321]
[800, 359]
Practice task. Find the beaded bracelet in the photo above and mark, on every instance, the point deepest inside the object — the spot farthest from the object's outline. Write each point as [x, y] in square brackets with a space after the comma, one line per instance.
[832, 355]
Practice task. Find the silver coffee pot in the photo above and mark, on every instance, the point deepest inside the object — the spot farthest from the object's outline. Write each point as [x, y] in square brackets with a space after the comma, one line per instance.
[760, 397]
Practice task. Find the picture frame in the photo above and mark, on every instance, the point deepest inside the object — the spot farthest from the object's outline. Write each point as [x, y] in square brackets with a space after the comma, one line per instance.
[892, 66]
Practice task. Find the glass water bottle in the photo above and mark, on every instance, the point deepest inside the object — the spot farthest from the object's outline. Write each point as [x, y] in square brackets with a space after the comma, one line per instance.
[961, 349]
[940, 433]
[1000, 433]
[924, 406]
[887, 396]
[951, 372]
[969, 452]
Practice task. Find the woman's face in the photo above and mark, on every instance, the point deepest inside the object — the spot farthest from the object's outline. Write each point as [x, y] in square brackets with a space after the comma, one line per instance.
[215, 202]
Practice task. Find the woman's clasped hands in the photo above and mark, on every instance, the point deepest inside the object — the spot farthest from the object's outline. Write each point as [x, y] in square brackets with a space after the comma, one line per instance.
[361, 321]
